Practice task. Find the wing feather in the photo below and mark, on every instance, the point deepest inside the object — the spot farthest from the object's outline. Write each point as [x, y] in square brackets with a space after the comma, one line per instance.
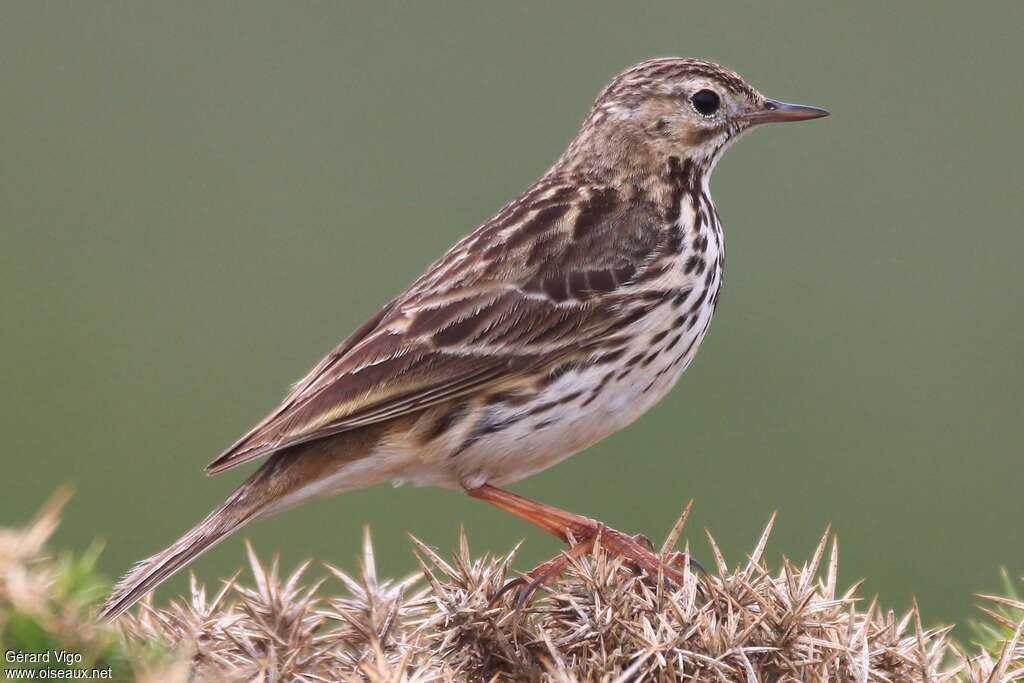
[496, 304]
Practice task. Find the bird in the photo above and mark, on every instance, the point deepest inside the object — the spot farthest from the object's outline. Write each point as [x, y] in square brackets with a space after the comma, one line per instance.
[552, 325]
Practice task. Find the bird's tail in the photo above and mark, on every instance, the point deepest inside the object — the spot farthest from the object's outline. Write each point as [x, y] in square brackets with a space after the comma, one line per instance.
[247, 503]
[288, 478]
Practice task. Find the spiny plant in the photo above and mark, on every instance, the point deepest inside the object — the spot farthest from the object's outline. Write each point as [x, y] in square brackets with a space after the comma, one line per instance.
[455, 620]
[47, 601]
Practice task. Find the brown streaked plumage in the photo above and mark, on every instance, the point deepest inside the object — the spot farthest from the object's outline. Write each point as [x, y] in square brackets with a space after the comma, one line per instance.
[552, 325]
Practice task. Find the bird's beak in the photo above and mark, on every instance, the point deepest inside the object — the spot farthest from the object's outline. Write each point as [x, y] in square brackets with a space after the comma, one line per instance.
[775, 111]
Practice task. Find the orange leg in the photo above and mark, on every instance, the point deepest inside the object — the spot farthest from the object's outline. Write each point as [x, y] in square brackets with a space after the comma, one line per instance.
[578, 531]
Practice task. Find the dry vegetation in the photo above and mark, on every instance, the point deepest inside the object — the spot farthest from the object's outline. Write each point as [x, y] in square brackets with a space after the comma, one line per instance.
[601, 621]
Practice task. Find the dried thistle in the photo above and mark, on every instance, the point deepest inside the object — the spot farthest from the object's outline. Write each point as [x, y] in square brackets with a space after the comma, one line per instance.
[600, 621]
[24, 578]
[454, 621]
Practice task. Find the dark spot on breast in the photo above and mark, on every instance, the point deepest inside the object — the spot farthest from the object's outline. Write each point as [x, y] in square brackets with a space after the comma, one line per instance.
[569, 398]
[681, 296]
[650, 357]
[689, 347]
[680, 177]
[691, 263]
[681, 173]
[699, 303]
[548, 405]
[492, 426]
[658, 337]
[673, 341]
[597, 390]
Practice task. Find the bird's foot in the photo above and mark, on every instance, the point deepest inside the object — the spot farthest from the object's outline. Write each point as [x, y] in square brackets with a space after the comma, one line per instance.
[582, 534]
[636, 551]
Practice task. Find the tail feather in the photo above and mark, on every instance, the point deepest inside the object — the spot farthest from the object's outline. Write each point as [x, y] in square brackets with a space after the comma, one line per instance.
[281, 482]
[239, 509]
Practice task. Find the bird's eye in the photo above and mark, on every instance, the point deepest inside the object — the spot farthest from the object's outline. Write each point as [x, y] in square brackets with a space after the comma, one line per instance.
[706, 102]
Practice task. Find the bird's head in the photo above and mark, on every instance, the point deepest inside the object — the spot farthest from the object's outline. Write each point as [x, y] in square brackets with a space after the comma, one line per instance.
[679, 107]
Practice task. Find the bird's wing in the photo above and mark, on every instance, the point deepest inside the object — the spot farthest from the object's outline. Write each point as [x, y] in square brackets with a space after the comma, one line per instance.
[541, 280]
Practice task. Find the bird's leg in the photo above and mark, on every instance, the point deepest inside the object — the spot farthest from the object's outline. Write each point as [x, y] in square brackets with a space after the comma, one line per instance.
[579, 532]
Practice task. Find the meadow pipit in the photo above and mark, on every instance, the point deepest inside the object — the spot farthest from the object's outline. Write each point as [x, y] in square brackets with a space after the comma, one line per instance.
[554, 324]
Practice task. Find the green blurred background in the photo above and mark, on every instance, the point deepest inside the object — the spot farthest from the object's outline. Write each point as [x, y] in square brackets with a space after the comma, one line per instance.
[197, 203]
